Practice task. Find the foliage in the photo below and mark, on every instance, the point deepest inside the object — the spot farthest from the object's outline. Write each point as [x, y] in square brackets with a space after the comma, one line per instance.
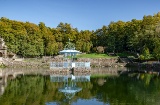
[100, 49]
[125, 54]
[145, 54]
[141, 57]
[31, 40]
[156, 51]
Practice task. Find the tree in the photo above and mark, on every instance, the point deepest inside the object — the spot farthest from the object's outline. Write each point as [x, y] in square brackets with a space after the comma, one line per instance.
[145, 53]
[100, 49]
[156, 51]
[158, 29]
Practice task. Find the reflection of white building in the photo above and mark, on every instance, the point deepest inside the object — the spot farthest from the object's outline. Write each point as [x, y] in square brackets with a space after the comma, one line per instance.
[69, 91]
[70, 88]
[5, 75]
[61, 78]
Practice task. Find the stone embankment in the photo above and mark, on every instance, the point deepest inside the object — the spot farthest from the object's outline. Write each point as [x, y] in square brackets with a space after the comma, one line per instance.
[102, 62]
[96, 62]
[23, 63]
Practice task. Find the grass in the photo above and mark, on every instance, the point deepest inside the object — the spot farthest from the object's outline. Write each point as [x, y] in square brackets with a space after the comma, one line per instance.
[94, 55]
[102, 75]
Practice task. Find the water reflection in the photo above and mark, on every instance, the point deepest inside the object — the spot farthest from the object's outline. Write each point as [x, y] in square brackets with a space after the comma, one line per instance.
[102, 88]
[69, 88]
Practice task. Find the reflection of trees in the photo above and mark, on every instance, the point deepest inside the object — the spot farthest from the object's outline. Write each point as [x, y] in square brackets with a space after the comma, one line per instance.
[24, 91]
[36, 90]
[28, 90]
[128, 90]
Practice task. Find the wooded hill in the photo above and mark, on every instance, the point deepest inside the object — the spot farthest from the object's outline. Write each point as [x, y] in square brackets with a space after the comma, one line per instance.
[31, 40]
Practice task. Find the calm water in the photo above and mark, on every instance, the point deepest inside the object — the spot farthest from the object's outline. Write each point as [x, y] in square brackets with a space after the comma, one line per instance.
[101, 88]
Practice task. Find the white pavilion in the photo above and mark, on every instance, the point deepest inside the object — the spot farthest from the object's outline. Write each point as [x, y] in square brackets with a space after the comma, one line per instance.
[69, 53]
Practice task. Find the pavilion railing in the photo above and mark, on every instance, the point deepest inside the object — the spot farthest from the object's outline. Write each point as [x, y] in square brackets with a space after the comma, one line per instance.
[69, 64]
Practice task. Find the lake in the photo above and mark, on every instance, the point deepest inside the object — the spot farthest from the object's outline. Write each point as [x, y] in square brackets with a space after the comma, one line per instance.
[101, 86]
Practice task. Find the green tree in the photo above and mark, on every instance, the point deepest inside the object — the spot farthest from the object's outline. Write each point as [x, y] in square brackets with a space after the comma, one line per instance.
[156, 51]
[145, 53]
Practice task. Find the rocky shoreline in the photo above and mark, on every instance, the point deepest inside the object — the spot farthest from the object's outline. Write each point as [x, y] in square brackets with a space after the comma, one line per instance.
[96, 62]
[144, 65]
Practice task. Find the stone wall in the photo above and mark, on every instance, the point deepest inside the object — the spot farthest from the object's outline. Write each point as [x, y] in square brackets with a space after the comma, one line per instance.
[15, 64]
[99, 62]
[96, 62]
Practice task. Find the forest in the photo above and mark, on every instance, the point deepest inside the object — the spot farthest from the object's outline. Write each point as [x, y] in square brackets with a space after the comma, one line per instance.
[31, 40]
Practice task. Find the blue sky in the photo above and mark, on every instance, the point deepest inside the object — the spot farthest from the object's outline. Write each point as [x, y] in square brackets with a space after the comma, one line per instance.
[81, 14]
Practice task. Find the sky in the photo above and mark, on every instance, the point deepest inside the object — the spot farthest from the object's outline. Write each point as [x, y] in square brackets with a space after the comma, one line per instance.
[81, 14]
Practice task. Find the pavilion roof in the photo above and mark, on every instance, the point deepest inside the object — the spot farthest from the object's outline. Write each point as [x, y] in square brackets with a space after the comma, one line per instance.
[69, 51]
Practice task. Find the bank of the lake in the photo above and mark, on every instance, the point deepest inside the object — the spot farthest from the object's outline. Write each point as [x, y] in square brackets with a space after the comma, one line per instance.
[39, 62]
[96, 60]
